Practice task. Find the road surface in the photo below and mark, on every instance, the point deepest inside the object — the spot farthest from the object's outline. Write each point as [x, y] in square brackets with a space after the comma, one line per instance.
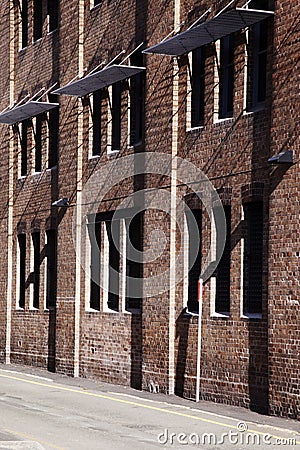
[47, 411]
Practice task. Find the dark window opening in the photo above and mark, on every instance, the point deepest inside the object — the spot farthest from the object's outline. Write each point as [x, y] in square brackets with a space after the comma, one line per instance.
[257, 56]
[37, 19]
[52, 12]
[24, 146]
[116, 116]
[36, 269]
[260, 38]
[226, 84]
[194, 263]
[53, 129]
[113, 233]
[198, 87]
[51, 252]
[23, 4]
[95, 243]
[97, 101]
[22, 269]
[137, 98]
[38, 142]
[253, 258]
[134, 229]
[222, 303]
[265, 5]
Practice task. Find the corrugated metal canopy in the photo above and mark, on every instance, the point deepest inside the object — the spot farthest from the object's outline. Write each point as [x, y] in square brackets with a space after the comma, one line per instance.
[26, 111]
[226, 23]
[99, 80]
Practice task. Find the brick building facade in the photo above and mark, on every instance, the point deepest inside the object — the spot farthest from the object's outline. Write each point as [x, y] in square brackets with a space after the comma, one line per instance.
[227, 107]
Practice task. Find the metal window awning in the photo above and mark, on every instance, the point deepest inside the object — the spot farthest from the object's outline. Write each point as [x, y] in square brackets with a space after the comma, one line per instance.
[219, 26]
[98, 80]
[25, 111]
[286, 157]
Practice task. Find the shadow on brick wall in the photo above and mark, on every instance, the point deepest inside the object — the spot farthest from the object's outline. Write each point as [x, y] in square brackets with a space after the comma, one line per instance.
[258, 368]
[182, 333]
[141, 11]
[136, 352]
[54, 219]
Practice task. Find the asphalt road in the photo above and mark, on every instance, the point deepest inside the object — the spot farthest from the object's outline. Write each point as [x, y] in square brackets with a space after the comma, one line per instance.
[47, 411]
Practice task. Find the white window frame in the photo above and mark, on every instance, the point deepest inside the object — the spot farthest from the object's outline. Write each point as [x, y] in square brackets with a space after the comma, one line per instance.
[44, 270]
[213, 279]
[18, 273]
[189, 126]
[110, 150]
[31, 268]
[104, 273]
[93, 6]
[244, 315]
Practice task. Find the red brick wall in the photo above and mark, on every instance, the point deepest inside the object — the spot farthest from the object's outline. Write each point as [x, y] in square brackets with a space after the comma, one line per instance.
[4, 133]
[253, 363]
[284, 331]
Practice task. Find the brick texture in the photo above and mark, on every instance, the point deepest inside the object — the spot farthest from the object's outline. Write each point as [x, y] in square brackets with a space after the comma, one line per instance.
[251, 362]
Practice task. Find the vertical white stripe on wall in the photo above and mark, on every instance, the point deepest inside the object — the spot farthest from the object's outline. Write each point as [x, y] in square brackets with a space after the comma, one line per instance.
[79, 191]
[10, 5]
[246, 70]
[172, 298]
[242, 248]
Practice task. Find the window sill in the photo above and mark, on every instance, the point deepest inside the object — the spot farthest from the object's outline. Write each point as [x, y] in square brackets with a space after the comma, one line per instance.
[50, 33]
[51, 169]
[23, 49]
[190, 313]
[217, 315]
[257, 109]
[93, 8]
[94, 157]
[251, 316]
[226, 119]
[110, 311]
[112, 152]
[92, 310]
[132, 312]
[195, 129]
[139, 146]
[18, 308]
[36, 176]
[32, 309]
[37, 41]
